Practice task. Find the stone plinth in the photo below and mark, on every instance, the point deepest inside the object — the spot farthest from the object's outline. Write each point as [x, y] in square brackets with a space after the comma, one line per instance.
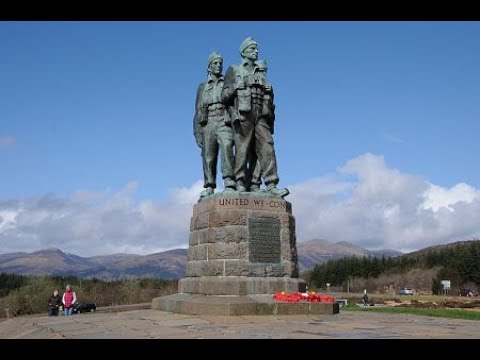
[239, 305]
[239, 285]
[242, 250]
[242, 244]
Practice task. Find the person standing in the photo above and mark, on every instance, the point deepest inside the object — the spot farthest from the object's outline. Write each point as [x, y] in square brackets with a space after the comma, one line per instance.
[243, 93]
[212, 128]
[69, 299]
[365, 297]
[54, 303]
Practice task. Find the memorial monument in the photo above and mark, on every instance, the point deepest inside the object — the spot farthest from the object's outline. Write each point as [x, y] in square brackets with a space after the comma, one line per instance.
[242, 246]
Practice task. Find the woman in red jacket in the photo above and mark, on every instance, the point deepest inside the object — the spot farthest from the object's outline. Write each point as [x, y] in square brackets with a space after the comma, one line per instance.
[69, 299]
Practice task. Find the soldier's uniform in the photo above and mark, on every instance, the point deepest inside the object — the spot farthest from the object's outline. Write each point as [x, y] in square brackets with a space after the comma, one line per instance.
[268, 112]
[212, 130]
[250, 127]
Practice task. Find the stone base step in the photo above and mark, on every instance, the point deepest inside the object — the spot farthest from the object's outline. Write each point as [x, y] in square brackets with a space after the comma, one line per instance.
[196, 304]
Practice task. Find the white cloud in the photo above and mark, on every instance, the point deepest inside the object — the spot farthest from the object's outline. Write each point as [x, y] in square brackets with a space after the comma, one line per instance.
[384, 208]
[437, 196]
[7, 219]
[365, 202]
[7, 141]
[98, 223]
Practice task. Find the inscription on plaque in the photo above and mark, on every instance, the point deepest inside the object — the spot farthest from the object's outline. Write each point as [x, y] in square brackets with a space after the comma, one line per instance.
[264, 239]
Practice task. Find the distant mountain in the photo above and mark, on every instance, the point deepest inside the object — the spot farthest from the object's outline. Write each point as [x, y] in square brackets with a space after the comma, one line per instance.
[319, 251]
[105, 260]
[438, 248]
[48, 261]
[167, 265]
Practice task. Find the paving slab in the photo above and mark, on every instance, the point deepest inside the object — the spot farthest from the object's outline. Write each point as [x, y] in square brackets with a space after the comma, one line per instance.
[155, 324]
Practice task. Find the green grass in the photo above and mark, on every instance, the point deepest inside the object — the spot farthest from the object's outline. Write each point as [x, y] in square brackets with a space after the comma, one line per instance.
[444, 313]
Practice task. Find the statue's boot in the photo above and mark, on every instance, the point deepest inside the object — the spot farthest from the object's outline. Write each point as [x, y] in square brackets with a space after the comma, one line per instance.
[207, 192]
[272, 189]
[230, 185]
[255, 188]
[241, 186]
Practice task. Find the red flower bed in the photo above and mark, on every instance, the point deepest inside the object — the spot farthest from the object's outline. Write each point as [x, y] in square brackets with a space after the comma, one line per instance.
[308, 297]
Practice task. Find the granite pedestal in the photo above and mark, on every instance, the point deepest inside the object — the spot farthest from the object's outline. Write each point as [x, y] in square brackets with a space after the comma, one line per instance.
[242, 250]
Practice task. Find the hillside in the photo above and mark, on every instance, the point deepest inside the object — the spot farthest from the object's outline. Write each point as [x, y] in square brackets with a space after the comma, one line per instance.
[167, 265]
[105, 260]
[423, 253]
[424, 270]
[314, 252]
[48, 261]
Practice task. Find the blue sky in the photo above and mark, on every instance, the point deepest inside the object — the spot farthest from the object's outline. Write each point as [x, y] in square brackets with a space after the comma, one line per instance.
[91, 112]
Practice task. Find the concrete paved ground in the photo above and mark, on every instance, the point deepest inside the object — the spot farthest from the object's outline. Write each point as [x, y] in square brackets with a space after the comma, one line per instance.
[159, 324]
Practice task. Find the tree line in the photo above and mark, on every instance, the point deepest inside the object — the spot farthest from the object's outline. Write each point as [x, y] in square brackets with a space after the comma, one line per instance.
[28, 294]
[459, 263]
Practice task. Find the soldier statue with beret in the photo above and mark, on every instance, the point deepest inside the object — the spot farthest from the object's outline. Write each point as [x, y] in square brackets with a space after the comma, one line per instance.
[244, 93]
[212, 128]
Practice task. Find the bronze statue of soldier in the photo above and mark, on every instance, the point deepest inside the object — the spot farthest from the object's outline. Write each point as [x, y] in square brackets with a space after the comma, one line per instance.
[212, 128]
[244, 91]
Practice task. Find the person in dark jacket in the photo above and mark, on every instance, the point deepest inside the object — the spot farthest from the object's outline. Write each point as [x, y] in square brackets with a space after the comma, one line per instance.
[365, 297]
[54, 303]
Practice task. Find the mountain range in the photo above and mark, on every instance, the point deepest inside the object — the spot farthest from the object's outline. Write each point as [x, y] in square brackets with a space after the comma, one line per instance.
[167, 265]
[319, 251]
